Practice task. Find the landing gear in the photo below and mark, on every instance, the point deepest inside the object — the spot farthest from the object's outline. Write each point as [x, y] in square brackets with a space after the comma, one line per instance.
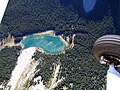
[107, 50]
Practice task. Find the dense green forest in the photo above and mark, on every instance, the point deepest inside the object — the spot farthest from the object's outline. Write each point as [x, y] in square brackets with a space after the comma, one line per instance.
[8, 59]
[78, 66]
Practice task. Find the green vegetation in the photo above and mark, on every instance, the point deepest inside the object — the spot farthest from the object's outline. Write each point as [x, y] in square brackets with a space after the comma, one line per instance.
[28, 84]
[35, 16]
[3, 31]
[78, 66]
[8, 59]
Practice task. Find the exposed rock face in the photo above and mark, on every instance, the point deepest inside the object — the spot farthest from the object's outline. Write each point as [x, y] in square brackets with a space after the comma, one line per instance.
[24, 70]
[73, 38]
[70, 40]
[8, 41]
[54, 81]
[39, 84]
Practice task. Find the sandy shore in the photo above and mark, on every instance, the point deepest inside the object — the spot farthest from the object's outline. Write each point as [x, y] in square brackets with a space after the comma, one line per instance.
[50, 32]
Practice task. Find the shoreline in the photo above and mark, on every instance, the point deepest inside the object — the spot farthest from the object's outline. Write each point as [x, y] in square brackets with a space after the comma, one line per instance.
[63, 40]
[50, 33]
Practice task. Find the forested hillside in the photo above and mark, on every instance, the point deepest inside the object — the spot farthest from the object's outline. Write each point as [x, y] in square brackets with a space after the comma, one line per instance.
[8, 59]
[78, 66]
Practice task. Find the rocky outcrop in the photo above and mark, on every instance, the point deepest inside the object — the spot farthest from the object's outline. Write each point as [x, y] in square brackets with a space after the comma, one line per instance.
[8, 41]
[73, 39]
[69, 39]
[24, 70]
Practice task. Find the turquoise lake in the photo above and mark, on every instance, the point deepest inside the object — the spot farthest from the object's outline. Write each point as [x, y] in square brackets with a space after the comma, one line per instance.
[50, 44]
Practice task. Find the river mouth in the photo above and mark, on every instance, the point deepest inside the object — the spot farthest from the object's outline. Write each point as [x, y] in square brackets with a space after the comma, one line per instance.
[48, 43]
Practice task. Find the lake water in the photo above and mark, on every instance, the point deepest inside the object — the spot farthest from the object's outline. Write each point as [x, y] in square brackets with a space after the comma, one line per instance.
[50, 44]
[88, 5]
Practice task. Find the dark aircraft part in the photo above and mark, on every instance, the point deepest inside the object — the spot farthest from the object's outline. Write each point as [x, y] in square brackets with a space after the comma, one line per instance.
[107, 49]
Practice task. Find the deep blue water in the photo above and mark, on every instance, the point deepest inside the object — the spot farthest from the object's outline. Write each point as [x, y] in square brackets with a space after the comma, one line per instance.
[49, 44]
[89, 5]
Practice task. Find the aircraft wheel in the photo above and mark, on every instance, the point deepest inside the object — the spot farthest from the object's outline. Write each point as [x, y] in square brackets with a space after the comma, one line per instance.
[107, 48]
